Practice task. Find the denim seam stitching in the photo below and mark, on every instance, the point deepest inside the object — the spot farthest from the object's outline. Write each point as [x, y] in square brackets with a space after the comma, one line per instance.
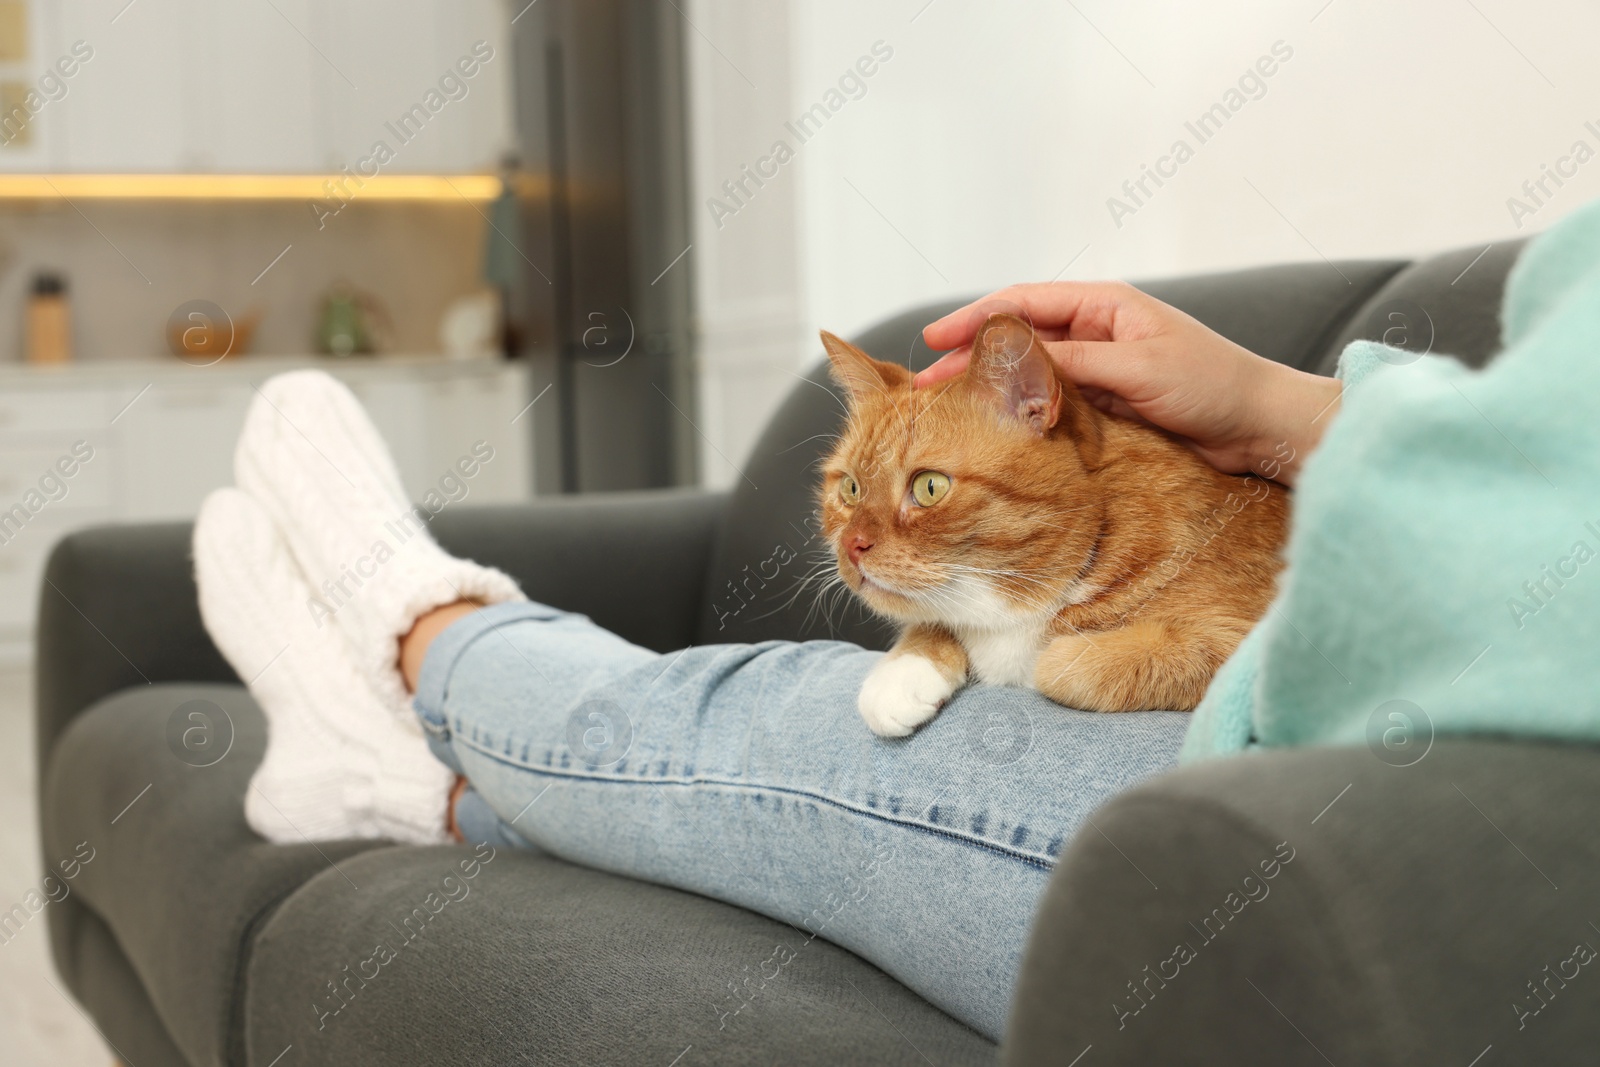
[938, 831]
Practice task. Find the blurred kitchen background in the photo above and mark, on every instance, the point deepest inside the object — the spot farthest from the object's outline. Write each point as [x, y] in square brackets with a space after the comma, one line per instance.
[600, 235]
[466, 210]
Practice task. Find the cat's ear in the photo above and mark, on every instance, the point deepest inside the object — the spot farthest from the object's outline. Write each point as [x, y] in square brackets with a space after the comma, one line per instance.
[859, 373]
[1007, 359]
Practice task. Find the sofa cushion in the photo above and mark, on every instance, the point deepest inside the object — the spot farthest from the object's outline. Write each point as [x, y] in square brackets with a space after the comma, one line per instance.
[532, 960]
[1379, 906]
[234, 940]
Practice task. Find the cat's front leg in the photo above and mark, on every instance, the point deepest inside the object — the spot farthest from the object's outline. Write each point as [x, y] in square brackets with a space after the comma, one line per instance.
[912, 681]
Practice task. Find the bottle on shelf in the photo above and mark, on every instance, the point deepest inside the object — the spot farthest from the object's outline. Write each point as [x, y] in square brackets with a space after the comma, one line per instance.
[49, 320]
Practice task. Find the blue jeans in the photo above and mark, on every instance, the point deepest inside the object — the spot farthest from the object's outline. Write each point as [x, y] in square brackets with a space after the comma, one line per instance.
[744, 773]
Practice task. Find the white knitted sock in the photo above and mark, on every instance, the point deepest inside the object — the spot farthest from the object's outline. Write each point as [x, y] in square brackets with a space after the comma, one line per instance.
[338, 763]
[316, 463]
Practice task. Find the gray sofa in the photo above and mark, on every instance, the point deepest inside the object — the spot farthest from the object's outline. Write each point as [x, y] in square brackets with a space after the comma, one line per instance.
[1415, 906]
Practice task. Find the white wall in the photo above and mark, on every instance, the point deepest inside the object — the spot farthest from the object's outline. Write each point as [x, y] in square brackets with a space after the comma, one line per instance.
[993, 138]
[749, 304]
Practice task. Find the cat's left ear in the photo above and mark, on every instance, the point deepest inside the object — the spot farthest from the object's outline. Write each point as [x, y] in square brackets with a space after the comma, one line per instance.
[1007, 358]
[859, 373]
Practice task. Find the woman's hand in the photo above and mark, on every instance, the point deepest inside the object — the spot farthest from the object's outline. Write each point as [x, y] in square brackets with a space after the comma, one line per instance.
[1133, 356]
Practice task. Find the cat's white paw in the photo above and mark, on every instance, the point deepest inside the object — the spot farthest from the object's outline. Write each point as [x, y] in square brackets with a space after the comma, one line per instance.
[901, 693]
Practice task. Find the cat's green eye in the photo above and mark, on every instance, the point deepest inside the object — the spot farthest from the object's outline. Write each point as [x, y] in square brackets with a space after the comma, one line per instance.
[849, 490]
[929, 487]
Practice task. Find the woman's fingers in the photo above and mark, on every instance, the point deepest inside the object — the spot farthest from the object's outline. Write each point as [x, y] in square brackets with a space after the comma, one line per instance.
[1085, 326]
[1119, 367]
[946, 366]
[1087, 309]
[955, 361]
[1113, 367]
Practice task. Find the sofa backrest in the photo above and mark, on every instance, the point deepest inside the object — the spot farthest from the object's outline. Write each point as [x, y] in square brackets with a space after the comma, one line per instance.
[1458, 294]
[769, 567]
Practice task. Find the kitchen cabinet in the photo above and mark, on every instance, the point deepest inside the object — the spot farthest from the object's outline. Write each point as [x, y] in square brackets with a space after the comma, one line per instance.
[171, 446]
[145, 442]
[252, 86]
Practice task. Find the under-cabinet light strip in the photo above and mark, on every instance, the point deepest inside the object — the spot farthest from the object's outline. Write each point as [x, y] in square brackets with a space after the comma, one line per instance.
[471, 187]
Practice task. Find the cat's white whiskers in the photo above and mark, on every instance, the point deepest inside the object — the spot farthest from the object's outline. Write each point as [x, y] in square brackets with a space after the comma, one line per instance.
[820, 604]
[961, 596]
[819, 570]
[1023, 575]
[811, 381]
[1052, 588]
[808, 440]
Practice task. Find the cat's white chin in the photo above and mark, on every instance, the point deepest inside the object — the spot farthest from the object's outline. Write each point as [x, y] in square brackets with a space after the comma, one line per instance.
[901, 693]
[868, 588]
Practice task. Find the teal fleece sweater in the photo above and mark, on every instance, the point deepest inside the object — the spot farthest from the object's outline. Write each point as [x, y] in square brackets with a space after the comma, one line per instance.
[1445, 545]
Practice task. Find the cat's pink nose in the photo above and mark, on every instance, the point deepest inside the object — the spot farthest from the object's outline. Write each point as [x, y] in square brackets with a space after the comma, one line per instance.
[858, 548]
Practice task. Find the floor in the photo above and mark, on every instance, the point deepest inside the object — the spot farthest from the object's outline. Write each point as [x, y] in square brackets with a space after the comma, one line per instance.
[39, 1025]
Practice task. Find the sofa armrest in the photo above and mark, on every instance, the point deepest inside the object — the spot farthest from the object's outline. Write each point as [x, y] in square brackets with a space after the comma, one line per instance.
[117, 608]
[633, 562]
[1319, 905]
[118, 605]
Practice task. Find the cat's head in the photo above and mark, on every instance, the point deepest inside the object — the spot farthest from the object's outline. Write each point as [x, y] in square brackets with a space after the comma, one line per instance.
[970, 503]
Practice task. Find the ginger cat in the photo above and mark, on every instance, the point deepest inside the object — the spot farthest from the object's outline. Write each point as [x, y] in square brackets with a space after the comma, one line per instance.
[1020, 536]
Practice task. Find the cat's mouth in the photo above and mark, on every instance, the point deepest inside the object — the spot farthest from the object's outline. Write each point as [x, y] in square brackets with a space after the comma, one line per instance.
[866, 584]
